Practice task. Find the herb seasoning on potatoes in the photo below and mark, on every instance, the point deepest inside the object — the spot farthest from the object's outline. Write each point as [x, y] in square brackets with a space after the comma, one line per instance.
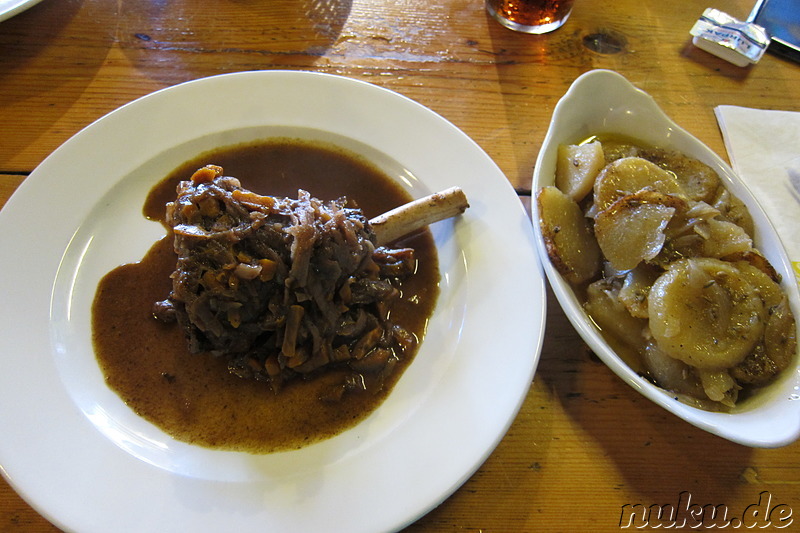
[662, 256]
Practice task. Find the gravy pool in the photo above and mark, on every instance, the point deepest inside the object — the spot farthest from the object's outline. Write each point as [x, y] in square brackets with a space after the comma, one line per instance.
[193, 397]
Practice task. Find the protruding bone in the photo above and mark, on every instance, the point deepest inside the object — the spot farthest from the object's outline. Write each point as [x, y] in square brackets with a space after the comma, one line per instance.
[414, 215]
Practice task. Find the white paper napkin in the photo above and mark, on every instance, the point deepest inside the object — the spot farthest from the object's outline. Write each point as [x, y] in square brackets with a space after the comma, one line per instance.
[764, 149]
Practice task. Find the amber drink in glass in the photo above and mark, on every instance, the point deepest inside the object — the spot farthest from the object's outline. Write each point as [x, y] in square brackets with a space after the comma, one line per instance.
[530, 16]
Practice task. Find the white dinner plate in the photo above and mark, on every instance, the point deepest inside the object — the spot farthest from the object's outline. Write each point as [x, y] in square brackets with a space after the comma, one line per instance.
[9, 8]
[84, 460]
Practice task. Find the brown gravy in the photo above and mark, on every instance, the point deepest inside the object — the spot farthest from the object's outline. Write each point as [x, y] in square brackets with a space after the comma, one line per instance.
[193, 397]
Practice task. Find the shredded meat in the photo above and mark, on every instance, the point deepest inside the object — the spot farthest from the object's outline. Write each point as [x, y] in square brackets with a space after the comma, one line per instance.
[282, 287]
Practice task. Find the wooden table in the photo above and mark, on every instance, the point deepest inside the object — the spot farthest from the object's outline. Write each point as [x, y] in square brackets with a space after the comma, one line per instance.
[584, 444]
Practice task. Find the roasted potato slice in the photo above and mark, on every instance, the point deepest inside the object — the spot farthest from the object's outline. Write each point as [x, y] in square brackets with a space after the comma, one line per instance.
[762, 280]
[631, 230]
[775, 353]
[635, 288]
[779, 345]
[733, 210]
[577, 167]
[780, 335]
[697, 179]
[757, 260]
[719, 386]
[708, 238]
[568, 236]
[611, 316]
[706, 313]
[670, 373]
[614, 149]
[629, 175]
[725, 238]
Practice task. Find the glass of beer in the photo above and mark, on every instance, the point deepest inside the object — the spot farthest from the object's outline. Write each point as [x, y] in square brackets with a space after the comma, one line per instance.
[530, 16]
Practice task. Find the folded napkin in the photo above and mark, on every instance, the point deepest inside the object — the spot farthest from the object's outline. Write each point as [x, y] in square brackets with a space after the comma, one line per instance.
[764, 149]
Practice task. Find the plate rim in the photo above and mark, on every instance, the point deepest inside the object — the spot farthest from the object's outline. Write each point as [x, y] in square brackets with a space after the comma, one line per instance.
[16, 7]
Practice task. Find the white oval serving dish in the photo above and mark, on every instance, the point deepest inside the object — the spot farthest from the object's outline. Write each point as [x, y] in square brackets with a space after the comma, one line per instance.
[602, 101]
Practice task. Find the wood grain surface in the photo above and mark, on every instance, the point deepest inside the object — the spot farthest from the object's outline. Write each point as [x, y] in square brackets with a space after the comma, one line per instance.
[584, 445]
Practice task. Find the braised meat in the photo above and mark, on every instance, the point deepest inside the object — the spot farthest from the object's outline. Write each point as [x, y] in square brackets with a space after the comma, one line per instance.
[282, 287]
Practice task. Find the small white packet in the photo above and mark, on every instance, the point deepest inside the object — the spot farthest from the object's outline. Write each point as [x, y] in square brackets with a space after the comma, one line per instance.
[740, 43]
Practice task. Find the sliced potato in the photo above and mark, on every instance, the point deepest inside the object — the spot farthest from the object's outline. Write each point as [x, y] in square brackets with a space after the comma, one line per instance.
[568, 237]
[780, 335]
[719, 386]
[764, 284]
[706, 313]
[635, 288]
[780, 330]
[756, 369]
[631, 230]
[629, 175]
[625, 332]
[614, 149]
[733, 210]
[670, 373]
[754, 258]
[692, 214]
[683, 297]
[725, 238]
[775, 353]
[697, 179]
[577, 167]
